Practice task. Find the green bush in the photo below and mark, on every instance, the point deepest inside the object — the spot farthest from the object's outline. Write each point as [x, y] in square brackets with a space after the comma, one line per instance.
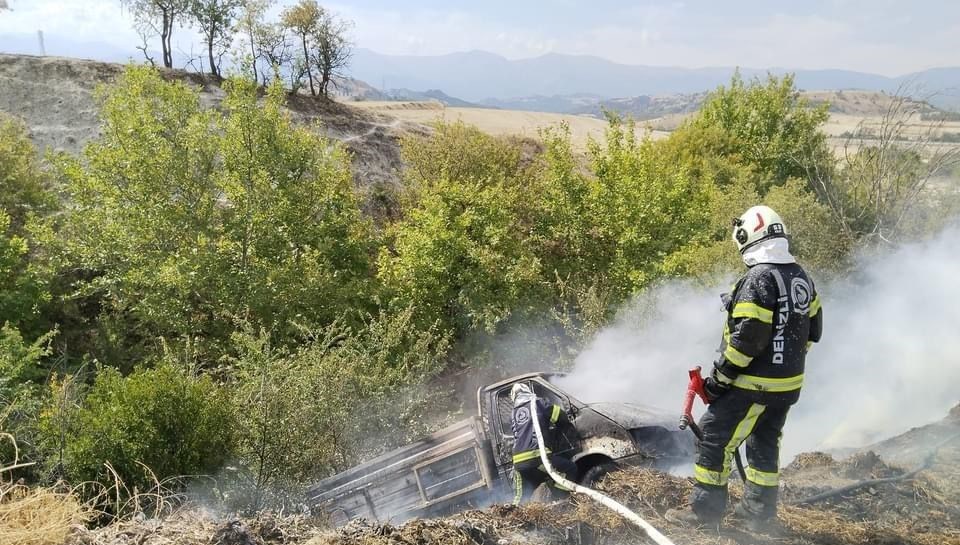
[345, 395]
[23, 284]
[24, 198]
[460, 256]
[24, 184]
[773, 129]
[173, 423]
[187, 220]
[646, 205]
[19, 402]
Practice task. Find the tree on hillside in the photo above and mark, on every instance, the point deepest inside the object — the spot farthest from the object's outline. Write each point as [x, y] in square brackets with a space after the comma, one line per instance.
[248, 23]
[156, 18]
[304, 20]
[215, 19]
[275, 47]
[333, 50]
[323, 40]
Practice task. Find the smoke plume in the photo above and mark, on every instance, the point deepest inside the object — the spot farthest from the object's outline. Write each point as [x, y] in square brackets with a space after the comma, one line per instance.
[889, 358]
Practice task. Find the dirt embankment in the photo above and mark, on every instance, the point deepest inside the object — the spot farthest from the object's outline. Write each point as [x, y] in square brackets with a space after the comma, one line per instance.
[55, 97]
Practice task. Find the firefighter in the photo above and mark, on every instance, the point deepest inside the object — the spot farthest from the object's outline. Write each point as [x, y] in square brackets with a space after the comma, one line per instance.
[528, 470]
[773, 317]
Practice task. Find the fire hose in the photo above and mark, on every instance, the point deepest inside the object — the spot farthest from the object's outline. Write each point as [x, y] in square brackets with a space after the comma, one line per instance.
[596, 496]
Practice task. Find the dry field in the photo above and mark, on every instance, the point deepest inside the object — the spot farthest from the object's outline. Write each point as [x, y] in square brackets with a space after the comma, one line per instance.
[855, 108]
[498, 122]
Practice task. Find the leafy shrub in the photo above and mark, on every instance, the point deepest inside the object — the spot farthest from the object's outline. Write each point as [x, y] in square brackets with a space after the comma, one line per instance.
[24, 185]
[459, 255]
[345, 395]
[19, 402]
[189, 219]
[23, 284]
[773, 128]
[646, 206]
[24, 197]
[173, 423]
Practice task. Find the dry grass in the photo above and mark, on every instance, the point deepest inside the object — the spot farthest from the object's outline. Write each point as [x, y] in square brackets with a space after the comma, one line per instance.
[914, 513]
[38, 516]
[35, 516]
[921, 511]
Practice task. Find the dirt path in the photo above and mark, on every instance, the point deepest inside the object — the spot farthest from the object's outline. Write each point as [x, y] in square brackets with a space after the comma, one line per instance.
[373, 130]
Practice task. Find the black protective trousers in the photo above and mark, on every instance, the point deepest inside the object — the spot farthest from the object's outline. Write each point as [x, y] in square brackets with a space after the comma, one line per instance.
[730, 420]
[527, 476]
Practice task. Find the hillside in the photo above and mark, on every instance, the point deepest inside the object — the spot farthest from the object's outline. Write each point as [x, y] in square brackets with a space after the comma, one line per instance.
[643, 107]
[55, 97]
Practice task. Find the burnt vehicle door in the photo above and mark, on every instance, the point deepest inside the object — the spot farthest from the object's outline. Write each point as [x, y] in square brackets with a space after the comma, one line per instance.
[568, 443]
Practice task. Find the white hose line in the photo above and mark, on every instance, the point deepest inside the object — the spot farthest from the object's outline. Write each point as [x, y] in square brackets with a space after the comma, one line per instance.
[604, 500]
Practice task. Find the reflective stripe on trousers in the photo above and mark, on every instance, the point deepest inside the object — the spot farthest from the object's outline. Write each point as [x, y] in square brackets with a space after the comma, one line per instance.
[740, 433]
[763, 478]
[517, 487]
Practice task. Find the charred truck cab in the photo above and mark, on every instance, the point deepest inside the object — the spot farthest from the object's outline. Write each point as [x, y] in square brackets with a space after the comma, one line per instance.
[469, 464]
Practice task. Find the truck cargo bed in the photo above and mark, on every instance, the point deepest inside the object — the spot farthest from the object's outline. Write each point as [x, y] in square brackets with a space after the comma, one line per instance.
[437, 470]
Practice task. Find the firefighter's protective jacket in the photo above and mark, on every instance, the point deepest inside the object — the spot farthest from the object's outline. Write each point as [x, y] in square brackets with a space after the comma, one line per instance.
[525, 445]
[773, 314]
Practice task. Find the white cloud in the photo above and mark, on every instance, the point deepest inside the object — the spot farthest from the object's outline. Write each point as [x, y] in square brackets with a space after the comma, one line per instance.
[838, 33]
[430, 32]
[83, 20]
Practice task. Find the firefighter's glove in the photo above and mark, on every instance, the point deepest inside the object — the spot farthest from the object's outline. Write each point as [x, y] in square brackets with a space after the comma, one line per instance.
[716, 385]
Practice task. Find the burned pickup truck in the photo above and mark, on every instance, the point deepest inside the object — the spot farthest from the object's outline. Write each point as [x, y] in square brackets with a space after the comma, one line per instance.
[469, 463]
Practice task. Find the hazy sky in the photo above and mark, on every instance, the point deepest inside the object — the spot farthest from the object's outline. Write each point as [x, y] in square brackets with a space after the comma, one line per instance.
[883, 36]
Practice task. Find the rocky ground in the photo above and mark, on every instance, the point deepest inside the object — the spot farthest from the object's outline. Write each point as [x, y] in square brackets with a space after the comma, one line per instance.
[905, 507]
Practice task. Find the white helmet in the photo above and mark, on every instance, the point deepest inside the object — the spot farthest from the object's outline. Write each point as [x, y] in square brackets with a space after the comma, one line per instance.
[518, 389]
[756, 224]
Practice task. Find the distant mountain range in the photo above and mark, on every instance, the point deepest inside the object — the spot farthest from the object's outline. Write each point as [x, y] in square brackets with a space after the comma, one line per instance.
[483, 77]
[552, 82]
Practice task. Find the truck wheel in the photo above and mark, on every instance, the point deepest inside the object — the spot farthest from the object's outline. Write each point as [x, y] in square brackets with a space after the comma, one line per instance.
[596, 474]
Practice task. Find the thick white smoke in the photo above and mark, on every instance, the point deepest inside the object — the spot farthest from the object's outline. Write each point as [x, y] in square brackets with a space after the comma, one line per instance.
[889, 358]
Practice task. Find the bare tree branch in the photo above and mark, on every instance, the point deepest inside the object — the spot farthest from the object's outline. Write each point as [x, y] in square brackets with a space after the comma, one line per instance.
[886, 167]
[145, 48]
